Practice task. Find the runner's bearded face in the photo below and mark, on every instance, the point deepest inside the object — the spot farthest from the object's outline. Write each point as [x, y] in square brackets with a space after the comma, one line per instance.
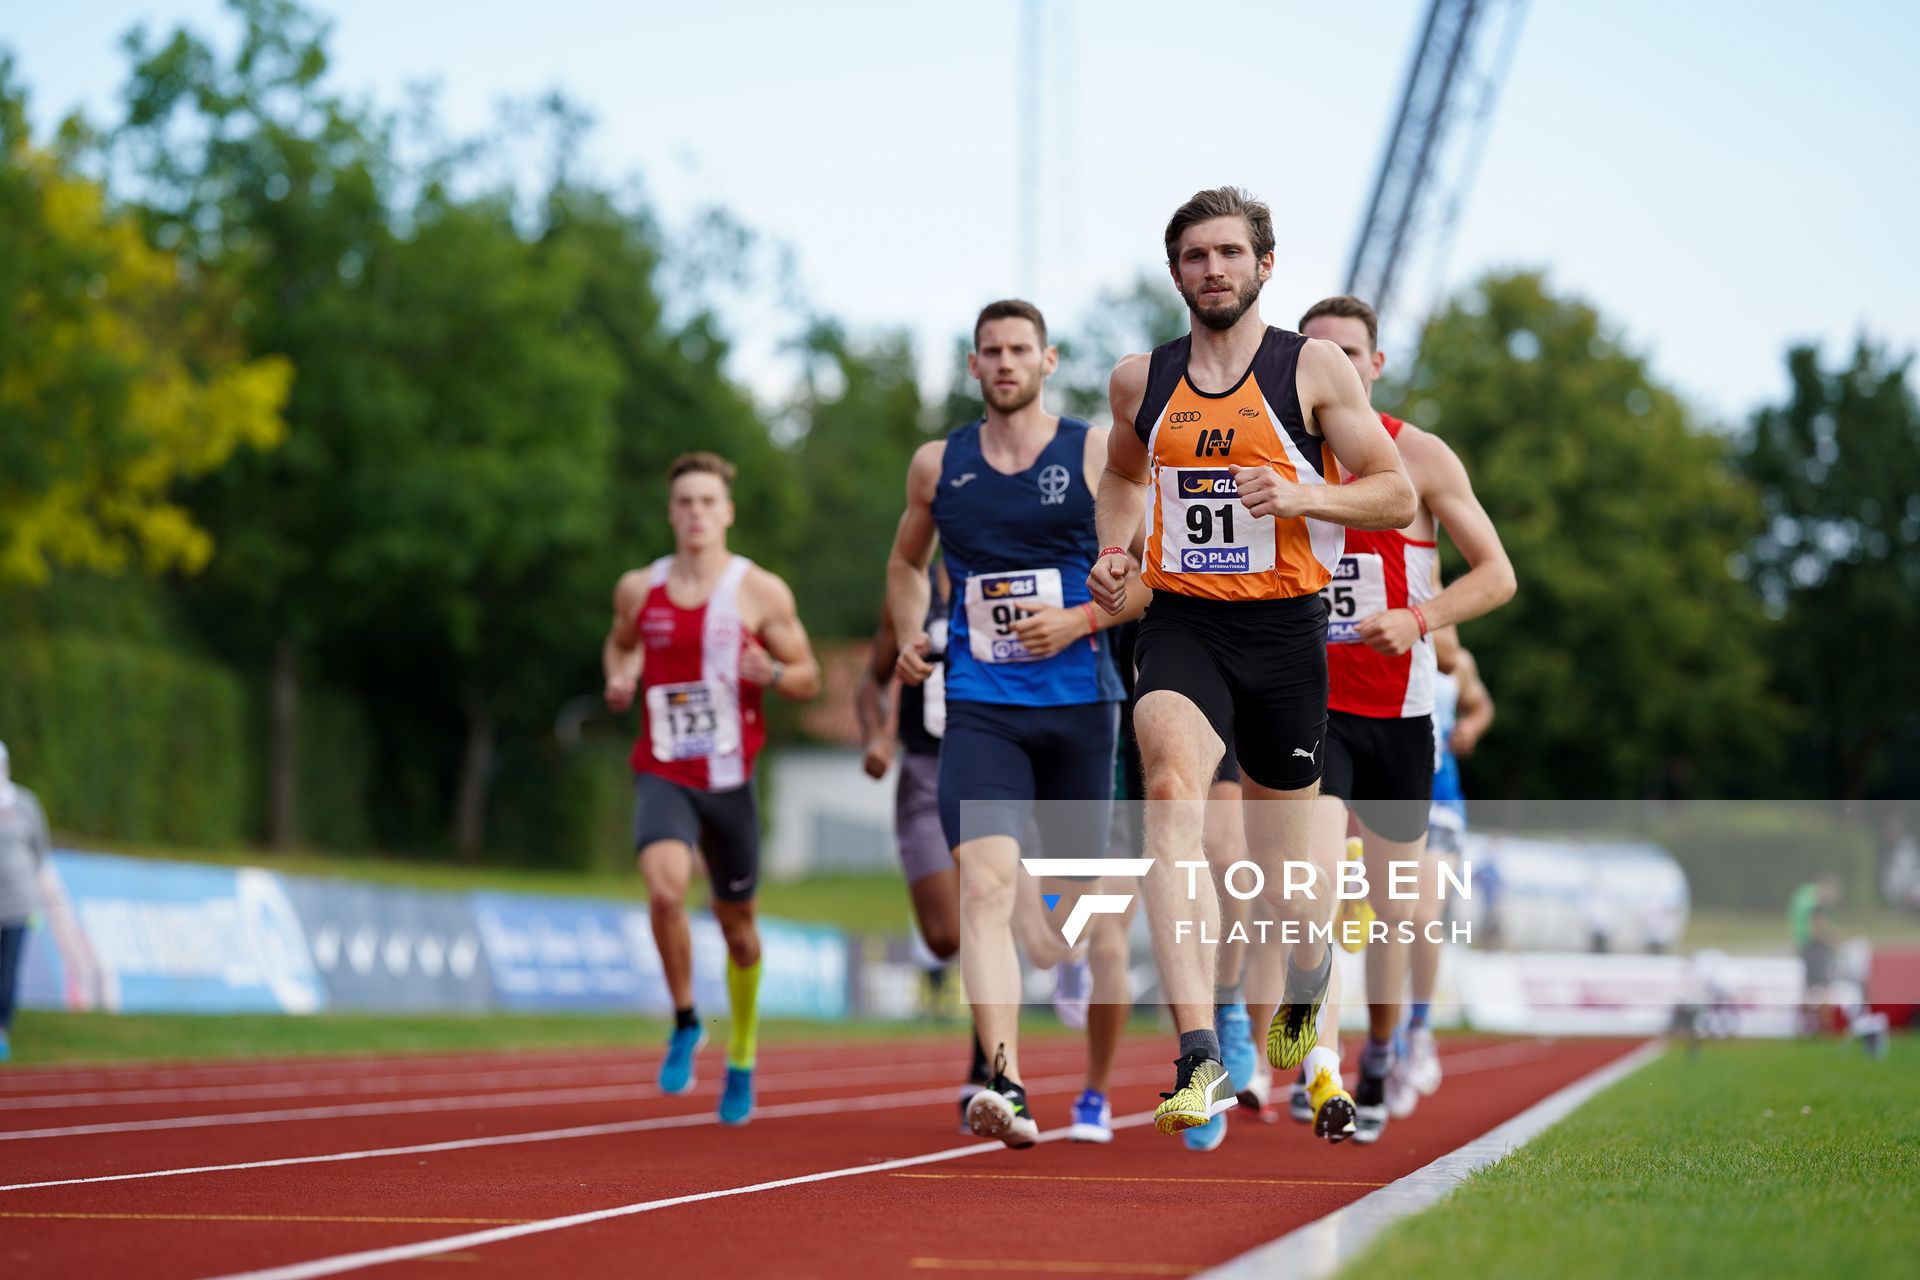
[1217, 273]
[700, 510]
[1011, 363]
[1350, 335]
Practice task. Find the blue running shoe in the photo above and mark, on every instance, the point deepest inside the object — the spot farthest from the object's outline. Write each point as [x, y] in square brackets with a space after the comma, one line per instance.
[1072, 993]
[1207, 1136]
[736, 1100]
[1236, 1042]
[676, 1070]
[1092, 1118]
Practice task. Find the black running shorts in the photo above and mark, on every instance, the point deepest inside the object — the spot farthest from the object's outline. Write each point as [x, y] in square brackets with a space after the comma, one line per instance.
[723, 825]
[1383, 769]
[1257, 669]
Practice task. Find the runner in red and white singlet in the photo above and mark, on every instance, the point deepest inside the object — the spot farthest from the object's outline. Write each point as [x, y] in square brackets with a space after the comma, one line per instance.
[1383, 605]
[1380, 569]
[697, 637]
[700, 724]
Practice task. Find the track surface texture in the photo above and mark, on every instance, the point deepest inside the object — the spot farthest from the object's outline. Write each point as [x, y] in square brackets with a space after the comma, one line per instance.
[572, 1163]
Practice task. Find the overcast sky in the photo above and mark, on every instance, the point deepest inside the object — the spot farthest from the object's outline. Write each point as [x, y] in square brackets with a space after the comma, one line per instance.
[1719, 178]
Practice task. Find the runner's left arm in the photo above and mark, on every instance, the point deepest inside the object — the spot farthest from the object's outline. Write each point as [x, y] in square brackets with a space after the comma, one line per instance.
[1379, 497]
[782, 659]
[1045, 630]
[1488, 582]
[1474, 714]
[873, 700]
[1120, 496]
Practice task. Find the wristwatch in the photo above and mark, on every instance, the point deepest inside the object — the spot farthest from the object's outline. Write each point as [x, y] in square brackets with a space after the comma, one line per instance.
[779, 670]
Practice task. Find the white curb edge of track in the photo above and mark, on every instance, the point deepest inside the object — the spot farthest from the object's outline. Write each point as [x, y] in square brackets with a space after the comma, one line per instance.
[1324, 1245]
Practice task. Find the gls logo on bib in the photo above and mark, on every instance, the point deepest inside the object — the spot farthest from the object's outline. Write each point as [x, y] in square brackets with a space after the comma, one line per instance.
[1207, 484]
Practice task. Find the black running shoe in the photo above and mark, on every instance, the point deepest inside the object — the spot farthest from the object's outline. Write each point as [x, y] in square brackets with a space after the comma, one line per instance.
[1369, 1107]
[1000, 1110]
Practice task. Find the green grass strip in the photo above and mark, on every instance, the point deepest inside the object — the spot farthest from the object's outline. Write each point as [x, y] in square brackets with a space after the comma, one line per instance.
[1753, 1159]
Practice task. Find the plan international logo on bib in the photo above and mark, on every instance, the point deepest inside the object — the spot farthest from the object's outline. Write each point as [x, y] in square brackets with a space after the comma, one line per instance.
[1216, 560]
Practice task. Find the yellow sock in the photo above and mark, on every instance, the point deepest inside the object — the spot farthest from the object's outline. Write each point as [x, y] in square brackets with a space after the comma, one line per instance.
[743, 994]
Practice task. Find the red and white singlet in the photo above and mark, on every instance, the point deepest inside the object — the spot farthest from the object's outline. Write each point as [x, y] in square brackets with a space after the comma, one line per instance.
[700, 726]
[1380, 569]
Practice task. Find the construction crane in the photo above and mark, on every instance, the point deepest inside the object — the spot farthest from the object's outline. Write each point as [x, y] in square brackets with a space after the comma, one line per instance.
[1434, 147]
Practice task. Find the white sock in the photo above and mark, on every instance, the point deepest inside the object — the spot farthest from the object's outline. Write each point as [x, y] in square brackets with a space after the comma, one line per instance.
[1321, 1056]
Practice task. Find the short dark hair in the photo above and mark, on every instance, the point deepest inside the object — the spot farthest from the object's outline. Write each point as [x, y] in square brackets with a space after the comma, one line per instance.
[1347, 307]
[701, 463]
[1222, 202]
[1010, 309]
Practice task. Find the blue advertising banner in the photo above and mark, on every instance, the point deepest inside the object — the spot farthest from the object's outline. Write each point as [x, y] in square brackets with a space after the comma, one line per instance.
[181, 937]
[567, 953]
[148, 936]
[573, 953]
[382, 947]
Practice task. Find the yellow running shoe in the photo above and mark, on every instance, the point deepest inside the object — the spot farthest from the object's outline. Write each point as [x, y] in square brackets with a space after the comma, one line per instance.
[1333, 1109]
[1201, 1091]
[1295, 1029]
[1356, 914]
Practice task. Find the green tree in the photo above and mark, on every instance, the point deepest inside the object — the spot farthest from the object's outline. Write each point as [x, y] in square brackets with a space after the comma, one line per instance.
[1838, 468]
[1630, 663]
[863, 417]
[118, 377]
[252, 171]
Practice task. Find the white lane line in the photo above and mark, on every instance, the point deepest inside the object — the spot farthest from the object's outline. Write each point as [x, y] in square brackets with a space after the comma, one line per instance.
[780, 1110]
[1325, 1245]
[410, 1106]
[630, 1072]
[333, 1266]
[27, 1080]
[482, 1069]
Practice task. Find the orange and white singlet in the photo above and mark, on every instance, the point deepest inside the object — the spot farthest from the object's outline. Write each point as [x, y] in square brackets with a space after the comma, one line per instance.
[1200, 540]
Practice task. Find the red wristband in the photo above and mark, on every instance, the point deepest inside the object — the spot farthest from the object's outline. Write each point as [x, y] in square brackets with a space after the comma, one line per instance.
[1093, 622]
[1420, 618]
[1110, 551]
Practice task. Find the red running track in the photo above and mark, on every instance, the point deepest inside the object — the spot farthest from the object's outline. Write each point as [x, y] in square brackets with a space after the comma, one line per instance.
[444, 1159]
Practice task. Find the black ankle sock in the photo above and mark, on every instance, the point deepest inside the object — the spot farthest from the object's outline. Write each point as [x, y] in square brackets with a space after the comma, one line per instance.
[684, 1019]
[980, 1069]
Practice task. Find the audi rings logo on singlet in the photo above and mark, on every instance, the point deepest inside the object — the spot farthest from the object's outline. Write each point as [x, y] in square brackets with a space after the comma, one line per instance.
[1207, 484]
[1089, 905]
[1054, 480]
[1183, 417]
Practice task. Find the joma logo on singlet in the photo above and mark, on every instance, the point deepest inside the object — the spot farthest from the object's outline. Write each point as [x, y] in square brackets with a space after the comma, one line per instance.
[1213, 440]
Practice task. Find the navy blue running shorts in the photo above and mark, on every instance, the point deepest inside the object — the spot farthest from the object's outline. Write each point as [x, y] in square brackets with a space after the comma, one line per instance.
[996, 760]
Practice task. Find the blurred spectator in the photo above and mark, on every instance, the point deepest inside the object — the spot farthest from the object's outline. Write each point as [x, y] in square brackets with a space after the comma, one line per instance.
[23, 849]
[1810, 918]
[1900, 884]
[1596, 913]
